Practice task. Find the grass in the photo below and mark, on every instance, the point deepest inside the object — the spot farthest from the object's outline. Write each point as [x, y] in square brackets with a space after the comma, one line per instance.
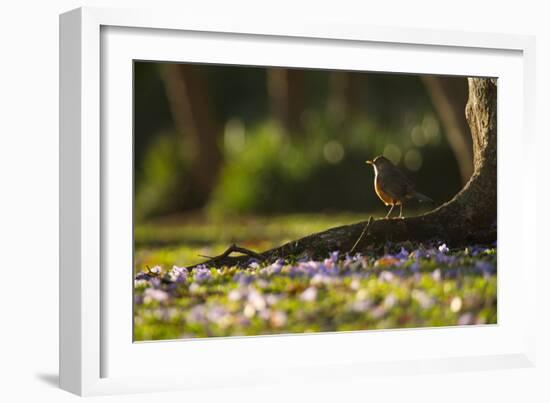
[406, 286]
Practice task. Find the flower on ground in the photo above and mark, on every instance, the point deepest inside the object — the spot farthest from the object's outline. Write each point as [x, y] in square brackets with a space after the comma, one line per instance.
[466, 319]
[423, 299]
[403, 254]
[484, 267]
[386, 276]
[155, 270]
[273, 268]
[310, 294]
[256, 299]
[202, 274]
[153, 294]
[178, 274]
[278, 319]
[456, 304]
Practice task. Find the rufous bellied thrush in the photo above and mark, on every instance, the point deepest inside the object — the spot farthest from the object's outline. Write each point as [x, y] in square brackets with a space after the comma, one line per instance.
[392, 186]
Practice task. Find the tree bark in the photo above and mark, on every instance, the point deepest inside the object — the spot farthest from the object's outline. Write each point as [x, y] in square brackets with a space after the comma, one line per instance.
[470, 217]
[449, 96]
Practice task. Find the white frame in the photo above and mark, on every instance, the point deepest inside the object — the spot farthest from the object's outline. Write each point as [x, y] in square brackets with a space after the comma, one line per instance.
[82, 159]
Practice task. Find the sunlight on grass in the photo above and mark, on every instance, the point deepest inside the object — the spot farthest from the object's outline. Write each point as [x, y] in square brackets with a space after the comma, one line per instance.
[430, 285]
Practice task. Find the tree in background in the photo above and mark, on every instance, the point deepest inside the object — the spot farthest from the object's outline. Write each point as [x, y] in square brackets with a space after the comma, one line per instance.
[344, 95]
[187, 94]
[187, 156]
[449, 96]
[285, 88]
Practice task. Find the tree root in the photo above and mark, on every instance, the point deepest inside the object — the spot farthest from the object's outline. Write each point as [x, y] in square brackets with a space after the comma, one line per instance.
[435, 226]
[371, 219]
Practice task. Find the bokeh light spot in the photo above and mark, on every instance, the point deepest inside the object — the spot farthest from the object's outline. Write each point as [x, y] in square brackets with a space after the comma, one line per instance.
[333, 152]
[234, 135]
[413, 160]
[418, 136]
[431, 129]
[393, 153]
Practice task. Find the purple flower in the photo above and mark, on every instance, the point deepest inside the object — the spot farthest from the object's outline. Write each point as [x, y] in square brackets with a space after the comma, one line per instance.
[348, 260]
[466, 319]
[475, 250]
[197, 314]
[485, 268]
[273, 268]
[451, 273]
[253, 264]
[442, 258]
[415, 267]
[218, 315]
[178, 274]
[202, 274]
[152, 294]
[310, 268]
[243, 278]
[399, 273]
[402, 255]
[334, 256]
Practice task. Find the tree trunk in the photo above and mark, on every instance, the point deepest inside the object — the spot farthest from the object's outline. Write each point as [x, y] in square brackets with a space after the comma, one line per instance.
[449, 96]
[285, 88]
[343, 99]
[188, 99]
[470, 217]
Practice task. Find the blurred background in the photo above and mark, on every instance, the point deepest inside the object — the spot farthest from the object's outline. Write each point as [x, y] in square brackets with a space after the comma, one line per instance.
[217, 144]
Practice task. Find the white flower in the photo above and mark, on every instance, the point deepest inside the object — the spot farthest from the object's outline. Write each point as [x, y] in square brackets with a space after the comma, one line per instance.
[310, 294]
[456, 304]
[423, 299]
[256, 300]
[152, 294]
[278, 319]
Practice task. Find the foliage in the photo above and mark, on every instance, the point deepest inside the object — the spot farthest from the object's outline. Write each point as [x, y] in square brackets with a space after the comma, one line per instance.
[317, 170]
[318, 167]
[156, 184]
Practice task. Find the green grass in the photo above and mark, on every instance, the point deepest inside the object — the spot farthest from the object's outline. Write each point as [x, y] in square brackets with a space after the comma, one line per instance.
[426, 286]
[183, 241]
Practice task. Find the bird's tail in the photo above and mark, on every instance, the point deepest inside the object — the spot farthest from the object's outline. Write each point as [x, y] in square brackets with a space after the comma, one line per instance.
[422, 198]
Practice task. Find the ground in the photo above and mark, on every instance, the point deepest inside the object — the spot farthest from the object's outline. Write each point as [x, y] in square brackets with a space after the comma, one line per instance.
[400, 286]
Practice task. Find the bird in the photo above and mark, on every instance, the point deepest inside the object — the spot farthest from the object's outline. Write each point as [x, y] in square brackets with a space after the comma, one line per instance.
[392, 186]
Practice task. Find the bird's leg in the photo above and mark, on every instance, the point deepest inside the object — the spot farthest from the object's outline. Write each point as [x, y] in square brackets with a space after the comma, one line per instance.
[389, 212]
[400, 210]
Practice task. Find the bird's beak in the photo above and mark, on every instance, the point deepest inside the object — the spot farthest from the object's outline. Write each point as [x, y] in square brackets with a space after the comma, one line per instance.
[369, 162]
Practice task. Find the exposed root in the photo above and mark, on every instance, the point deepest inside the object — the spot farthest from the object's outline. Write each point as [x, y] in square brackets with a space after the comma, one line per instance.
[221, 259]
[371, 219]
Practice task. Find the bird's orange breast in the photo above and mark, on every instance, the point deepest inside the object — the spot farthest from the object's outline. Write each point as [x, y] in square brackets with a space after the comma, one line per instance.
[386, 198]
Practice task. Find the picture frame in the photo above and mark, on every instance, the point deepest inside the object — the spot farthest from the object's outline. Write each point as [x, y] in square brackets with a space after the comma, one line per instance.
[97, 353]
